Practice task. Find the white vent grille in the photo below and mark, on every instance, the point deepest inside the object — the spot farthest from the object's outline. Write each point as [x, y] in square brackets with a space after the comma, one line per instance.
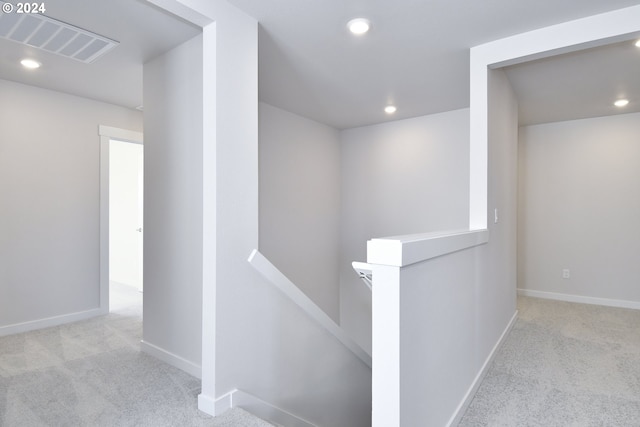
[54, 36]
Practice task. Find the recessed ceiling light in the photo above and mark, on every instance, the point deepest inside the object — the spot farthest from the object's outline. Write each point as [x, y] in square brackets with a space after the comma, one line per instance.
[390, 109]
[31, 64]
[621, 103]
[359, 25]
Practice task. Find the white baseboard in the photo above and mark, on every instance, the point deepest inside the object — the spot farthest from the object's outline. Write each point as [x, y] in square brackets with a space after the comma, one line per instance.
[172, 359]
[580, 299]
[207, 404]
[458, 414]
[254, 405]
[48, 322]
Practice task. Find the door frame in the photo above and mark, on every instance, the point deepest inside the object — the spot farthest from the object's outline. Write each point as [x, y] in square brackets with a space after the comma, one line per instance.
[107, 133]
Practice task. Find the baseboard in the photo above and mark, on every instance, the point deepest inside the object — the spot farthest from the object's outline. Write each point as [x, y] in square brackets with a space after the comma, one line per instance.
[256, 406]
[466, 401]
[48, 322]
[172, 359]
[207, 404]
[580, 299]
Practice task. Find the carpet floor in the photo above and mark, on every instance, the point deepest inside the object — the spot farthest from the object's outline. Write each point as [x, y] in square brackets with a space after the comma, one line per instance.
[563, 364]
[92, 373]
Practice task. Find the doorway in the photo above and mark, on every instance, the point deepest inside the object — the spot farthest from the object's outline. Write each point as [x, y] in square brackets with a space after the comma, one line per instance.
[126, 194]
[121, 220]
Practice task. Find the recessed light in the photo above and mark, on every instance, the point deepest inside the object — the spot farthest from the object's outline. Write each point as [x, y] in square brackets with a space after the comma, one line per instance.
[359, 26]
[31, 64]
[621, 103]
[390, 109]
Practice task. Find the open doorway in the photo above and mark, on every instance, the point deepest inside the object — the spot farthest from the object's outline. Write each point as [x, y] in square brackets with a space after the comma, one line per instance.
[126, 195]
[121, 220]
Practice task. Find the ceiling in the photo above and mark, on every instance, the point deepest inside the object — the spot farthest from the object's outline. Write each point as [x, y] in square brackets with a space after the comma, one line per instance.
[578, 85]
[143, 31]
[416, 56]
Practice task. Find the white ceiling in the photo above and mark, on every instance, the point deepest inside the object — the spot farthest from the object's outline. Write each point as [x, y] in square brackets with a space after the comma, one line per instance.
[142, 30]
[415, 56]
[578, 85]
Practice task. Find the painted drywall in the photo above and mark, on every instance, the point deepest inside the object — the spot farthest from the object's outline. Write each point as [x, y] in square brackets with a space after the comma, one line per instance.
[447, 314]
[125, 216]
[402, 177]
[579, 204]
[173, 205]
[495, 301]
[49, 187]
[438, 334]
[254, 338]
[299, 189]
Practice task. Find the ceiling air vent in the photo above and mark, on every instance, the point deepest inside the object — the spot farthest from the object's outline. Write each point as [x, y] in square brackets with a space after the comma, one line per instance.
[53, 36]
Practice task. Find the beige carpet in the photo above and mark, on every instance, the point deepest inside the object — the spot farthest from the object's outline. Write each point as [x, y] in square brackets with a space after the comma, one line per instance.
[92, 373]
[563, 364]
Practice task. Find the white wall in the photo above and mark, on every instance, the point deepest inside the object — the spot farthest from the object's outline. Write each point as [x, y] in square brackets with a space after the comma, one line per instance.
[173, 206]
[438, 321]
[579, 207]
[496, 297]
[49, 187]
[402, 177]
[299, 174]
[439, 331]
[299, 225]
[254, 338]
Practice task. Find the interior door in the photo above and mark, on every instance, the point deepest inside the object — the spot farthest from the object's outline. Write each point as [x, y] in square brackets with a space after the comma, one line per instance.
[126, 190]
